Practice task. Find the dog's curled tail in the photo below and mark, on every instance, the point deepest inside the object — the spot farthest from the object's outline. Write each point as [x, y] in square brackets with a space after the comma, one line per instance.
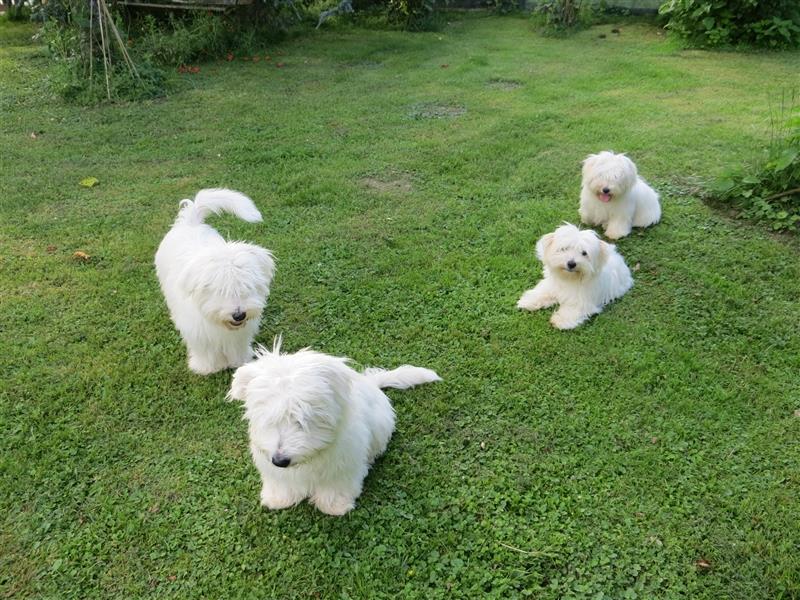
[402, 377]
[216, 201]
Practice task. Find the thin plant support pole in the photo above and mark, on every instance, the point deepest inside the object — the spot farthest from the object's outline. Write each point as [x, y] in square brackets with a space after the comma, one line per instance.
[126, 56]
[106, 57]
[91, 44]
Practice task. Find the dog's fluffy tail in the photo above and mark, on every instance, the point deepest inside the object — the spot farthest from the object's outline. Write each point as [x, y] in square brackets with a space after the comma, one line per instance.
[216, 201]
[402, 377]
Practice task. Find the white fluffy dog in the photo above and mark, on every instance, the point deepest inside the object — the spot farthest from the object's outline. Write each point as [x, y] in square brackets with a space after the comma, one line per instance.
[614, 196]
[316, 424]
[215, 290]
[582, 273]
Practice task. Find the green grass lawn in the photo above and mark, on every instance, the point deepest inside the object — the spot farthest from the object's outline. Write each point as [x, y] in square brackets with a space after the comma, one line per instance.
[404, 178]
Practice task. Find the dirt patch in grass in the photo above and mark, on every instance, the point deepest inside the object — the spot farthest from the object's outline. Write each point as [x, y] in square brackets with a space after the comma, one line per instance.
[362, 64]
[498, 83]
[435, 110]
[396, 183]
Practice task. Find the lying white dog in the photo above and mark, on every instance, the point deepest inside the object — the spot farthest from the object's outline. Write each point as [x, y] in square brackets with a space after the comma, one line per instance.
[316, 425]
[582, 273]
[614, 196]
[215, 290]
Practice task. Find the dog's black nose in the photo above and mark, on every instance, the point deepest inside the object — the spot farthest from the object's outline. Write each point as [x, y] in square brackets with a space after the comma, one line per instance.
[281, 461]
[239, 316]
[606, 190]
[571, 264]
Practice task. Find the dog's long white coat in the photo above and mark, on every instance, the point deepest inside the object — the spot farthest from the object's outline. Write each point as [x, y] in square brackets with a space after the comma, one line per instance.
[598, 276]
[330, 421]
[205, 279]
[633, 203]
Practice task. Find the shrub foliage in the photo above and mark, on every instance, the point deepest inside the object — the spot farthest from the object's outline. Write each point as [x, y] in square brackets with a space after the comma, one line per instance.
[101, 54]
[712, 23]
[558, 17]
[769, 191]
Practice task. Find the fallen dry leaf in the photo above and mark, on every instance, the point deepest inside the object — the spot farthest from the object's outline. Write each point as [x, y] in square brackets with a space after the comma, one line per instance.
[702, 563]
[280, 65]
[797, 413]
[636, 267]
[33, 135]
[89, 182]
[229, 57]
[172, 577]
[51, 248]
[78, 255]
[445, 66]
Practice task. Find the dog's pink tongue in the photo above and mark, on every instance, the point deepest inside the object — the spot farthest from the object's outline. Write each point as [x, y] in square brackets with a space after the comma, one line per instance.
[605, 197]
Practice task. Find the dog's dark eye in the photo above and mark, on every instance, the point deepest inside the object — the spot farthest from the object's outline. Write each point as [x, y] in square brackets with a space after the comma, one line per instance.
[584, 253]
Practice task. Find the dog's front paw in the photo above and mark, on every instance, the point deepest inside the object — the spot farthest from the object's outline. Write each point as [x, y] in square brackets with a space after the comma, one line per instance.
[241, 359]
[277, 499]
[203, 366]
[334, 504]
[614, 232]
[565, 320]
[534, 300]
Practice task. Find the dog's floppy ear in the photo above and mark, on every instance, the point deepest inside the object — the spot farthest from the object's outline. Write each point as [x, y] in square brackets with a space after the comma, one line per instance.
[265, 261]
[588, 163]
[605, 251]
[338, 374]
[630, 167]
[188, 279]
[543, 244]
[241, 379]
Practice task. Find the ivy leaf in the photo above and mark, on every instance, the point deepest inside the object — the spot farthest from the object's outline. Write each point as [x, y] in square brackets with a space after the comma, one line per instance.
[723, 185]
[786, 158]
[702, 563]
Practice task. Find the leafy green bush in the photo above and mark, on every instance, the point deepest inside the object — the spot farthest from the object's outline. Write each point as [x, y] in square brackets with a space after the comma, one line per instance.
[713, 23]
[557, 17]
[769, 191]
[503, 7]
[92, 59]
[179, 38]
[18, 11]
[416, 15]
[98, 54]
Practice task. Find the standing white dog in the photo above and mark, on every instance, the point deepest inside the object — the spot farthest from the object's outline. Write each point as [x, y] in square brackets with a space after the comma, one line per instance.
[215, 290]
[582, 273]
[614, 196]
[316, 424]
